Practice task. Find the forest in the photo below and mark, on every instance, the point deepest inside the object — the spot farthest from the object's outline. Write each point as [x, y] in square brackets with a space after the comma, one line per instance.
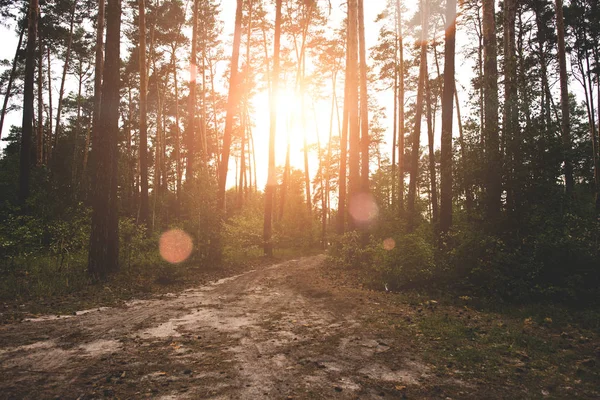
[426, 150]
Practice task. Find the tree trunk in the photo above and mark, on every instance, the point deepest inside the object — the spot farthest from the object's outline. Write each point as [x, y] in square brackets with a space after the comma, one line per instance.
[49, 141]
[64, 75]
[27, 125]
[104, 241]
[564, 99]
[432, 172]
[232, 105]
[177, 136]
[306, 168]
[10, 80]
[395, 128]
[468, 186]
[354, 181]
[98, 69]
[447, 120]
[341, 217]
[414, 164]
[510, 118]
[40, 104]
[271, 181]
[492, 140]
[400, 112]
[192, 100]
[143, 145]
[364, 100]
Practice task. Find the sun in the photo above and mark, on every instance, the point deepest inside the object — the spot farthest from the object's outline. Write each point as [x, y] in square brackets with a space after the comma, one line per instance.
[292, 127]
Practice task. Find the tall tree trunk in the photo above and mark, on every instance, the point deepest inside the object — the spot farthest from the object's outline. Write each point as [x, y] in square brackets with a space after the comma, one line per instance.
[245, 116]
[143, 146]
[564, 98]
[10, 80]
[447, 120]
[414, 162]
[232, 105]
[307, 188]
[432, 171]
[400, 111]
[492, 139]
[326, 174]
[271, 180]
[354, 181]
[98, 69]
[40, 103]
[177, 136]
[192, 100]
[341, 217]
[28, 97]
[395, 128]
[364, 100]
[48, 149]
[510, 106]
[104, 241]
[468, 185]
[286, 175]
[242, 177]
[64, 75]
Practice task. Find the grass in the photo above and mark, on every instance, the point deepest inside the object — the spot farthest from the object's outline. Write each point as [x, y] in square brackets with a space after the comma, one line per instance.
[537, 350]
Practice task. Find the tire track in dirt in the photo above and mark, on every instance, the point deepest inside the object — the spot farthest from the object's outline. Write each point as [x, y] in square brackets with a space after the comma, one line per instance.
[269, 333]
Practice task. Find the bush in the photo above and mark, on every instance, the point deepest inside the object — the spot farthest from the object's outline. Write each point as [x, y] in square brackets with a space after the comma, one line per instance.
[349, 252]
[409, 263]
[406, 261]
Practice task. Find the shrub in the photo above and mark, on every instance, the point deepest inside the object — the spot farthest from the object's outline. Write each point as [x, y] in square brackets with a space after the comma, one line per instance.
[409, 263]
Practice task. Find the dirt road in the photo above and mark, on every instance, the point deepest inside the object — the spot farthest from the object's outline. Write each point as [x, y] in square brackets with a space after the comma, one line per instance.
[278, 332]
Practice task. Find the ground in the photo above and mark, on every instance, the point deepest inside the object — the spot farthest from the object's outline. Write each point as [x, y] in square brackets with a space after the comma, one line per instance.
[285, 331]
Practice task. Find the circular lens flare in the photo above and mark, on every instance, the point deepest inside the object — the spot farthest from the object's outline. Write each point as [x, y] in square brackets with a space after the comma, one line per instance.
[363, 208]
[389, 244]
[175, 246]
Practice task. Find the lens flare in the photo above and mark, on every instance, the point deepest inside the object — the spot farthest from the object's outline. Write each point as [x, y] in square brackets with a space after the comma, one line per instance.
[389, 244]
[175, 246]
[363, 208]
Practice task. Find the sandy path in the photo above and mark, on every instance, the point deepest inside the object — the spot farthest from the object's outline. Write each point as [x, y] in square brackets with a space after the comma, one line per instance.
[270, 333]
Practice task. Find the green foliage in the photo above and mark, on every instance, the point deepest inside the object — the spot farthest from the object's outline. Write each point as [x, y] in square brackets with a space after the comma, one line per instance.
[349, 252]
[403, 262]
[409, 263]
[243, 236]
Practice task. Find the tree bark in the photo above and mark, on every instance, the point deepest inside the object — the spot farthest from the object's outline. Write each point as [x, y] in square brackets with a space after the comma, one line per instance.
[400, 111]
[492, 140]
[28, 97]
[414, 164]
[232, 105]
[510, 118]
[341, 217]
[271, 181]
[98, 69]
[143, 145]
[104, 241]
[364, 100]
[447, 120]
[564, 99]
[435, 219]
[40, 103]
[354, 181]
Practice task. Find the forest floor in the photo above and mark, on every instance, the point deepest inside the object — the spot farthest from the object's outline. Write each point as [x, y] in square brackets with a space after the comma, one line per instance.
[295, 330]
